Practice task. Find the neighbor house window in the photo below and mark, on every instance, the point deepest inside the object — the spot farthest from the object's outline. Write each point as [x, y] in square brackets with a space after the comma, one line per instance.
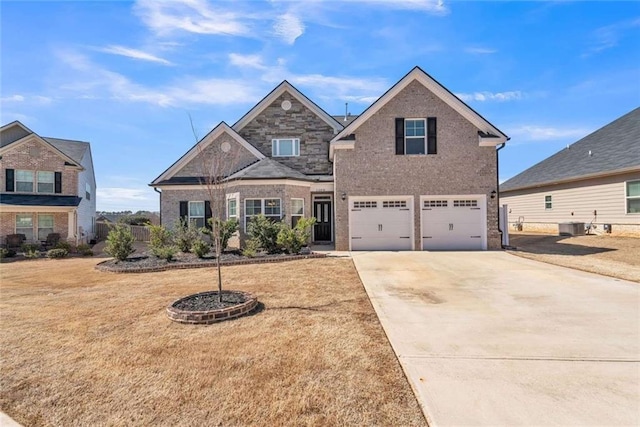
[232, 208]
[547, 202]
[24, 225]
[415, 136]
[297, 211]
[45, 182]
[268, 207]
[87, 191]
[24, 181]
[633, 197]
[45, 226]
[196, 214]
[285, 147]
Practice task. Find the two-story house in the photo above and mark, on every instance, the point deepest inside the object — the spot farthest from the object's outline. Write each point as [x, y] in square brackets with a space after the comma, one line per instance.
[417, 170]
[47, 186]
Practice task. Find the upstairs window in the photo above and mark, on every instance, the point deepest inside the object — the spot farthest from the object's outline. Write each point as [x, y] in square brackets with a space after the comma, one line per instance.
[45, 182]
[24, 181]
[285, 147]
[416, 136]
[633, 197]
[87, 191]
[548, 204]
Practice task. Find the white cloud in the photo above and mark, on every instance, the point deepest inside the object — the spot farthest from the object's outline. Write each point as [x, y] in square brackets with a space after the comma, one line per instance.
[134, 54]
[33, 99]
[193, 16]
[609, 36]
[436, 7]
[12, 98]
[251, 61]
[491, 96]
[546, 133]
[480, 50]
[288, 27]
[123, 198]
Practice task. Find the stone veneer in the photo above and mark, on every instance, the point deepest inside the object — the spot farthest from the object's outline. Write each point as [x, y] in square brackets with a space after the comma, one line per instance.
[373, 169]
[298, 122]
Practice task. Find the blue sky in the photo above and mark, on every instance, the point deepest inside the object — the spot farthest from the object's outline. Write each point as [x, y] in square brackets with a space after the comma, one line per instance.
[126, 76]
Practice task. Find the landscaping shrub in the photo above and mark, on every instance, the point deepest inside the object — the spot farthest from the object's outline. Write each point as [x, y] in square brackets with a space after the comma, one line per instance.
[227, 228]
[134, 220]
[293, 239]
[251, 248]
[120, 242]
[185, 235]
[64, 245]
[31, 250]
[7, 253]
[200, 248]
[265, 232]
[161, 242]
[84, 250]
[57, 253]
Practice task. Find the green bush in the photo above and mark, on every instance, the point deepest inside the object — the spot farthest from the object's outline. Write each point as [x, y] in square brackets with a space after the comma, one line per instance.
[265, 232]
[251, 248]
[165, 252]
[161, 242]
[57, 253]
[63, 245]
[200, 248]
[7, 253]
[294, 239]
[120, 242]
[84, 249]
[185, 234]
[31, 250]
[227, 228]
[134, 220]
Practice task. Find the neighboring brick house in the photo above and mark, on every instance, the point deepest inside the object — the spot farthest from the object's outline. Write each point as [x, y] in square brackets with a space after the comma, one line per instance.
[416, 171]
[595, 180]
[47, 186]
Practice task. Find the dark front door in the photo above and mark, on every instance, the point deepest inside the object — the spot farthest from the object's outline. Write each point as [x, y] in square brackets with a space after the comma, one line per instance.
[322, 227]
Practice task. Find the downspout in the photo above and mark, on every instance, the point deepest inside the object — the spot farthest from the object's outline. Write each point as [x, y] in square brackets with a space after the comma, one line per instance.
[498, 187]
[160, 205]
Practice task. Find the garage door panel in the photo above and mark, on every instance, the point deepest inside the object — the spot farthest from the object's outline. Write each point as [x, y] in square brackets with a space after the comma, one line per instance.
[378, 223]
[453, 223]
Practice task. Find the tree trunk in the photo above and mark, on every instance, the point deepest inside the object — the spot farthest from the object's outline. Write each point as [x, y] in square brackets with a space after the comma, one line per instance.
[218, 255]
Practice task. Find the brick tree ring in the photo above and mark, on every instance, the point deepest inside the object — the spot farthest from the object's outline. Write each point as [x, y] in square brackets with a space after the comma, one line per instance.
[204, 308]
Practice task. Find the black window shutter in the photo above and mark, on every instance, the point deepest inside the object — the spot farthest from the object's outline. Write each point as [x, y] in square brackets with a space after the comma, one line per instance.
[9, 180]
[399, 135]
[58, 182]
[207, 213]
[431, 136]
[184, 210]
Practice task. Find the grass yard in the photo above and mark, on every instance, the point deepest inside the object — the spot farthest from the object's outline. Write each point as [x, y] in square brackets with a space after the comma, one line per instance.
[82, 347]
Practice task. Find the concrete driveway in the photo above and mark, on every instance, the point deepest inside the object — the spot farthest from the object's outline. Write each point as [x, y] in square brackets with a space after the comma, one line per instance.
[488, 338]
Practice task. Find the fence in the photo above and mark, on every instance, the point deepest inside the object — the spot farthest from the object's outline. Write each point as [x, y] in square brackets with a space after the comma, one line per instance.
[140, 232]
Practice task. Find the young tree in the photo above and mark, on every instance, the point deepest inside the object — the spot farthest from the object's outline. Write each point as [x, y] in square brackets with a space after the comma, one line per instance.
[218, 161]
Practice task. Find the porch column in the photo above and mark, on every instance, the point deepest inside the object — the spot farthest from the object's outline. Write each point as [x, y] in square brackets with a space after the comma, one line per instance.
[71, 225]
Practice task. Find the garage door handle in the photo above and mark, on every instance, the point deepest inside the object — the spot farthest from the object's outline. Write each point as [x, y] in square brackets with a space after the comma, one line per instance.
[426, 209]
[476, 209]
[354, 238]
[356, 210]
[475, 237]
[427, 237]
[404, 209]
[402, 237]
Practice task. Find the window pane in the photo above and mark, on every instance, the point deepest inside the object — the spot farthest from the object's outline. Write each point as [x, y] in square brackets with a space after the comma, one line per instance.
[45, 226]
[197, 222]
[24, 225]
[196, 209]
[24, 176]
[633, 205]
[415, 146]
[414, 128]
[253, 207]
[633, 189]
[45, 177]
[286, 147]
[232, 207]
[297, 207]
[272, 207]
[24, 181]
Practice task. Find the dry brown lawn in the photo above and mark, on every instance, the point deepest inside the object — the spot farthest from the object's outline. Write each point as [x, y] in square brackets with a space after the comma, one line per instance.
[83, 347]
[613, 256]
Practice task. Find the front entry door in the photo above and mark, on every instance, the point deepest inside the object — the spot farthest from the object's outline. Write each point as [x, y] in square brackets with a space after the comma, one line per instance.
[322, 227]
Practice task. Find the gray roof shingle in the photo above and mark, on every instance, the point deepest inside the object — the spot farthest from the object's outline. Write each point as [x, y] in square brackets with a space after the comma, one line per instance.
[268, 168]
[73, 149]
[39, 200]
[611, 148]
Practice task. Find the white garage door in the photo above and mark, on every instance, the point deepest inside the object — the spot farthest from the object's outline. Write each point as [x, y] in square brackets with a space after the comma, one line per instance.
[381, 224]
[453, 223]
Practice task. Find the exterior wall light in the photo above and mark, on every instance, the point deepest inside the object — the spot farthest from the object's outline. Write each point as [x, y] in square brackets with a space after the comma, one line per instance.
[493, 194]
[343, 196]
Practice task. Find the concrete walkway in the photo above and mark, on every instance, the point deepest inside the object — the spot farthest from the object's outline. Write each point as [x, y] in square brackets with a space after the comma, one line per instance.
[488, 338]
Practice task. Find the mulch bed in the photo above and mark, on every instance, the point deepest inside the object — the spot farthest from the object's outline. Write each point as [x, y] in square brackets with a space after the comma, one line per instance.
[209, 301]
[146, 263]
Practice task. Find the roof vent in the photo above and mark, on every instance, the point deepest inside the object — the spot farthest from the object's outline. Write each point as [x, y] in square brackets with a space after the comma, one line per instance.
[590, 153]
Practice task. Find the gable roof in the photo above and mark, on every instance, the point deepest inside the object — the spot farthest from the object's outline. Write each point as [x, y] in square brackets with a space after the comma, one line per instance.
[15, 133]
[201, 145]
[283, 87]
[611, 149]
[488, 130]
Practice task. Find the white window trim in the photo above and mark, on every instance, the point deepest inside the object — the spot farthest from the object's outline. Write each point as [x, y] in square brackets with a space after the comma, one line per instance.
[204, 213]
[415, 137]
[235, 197]
[627, 198]
[262, 208]
[53, 225]
[34, 185]
[275, 147]
[37, 182]
[296, 214]
[550, 202]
